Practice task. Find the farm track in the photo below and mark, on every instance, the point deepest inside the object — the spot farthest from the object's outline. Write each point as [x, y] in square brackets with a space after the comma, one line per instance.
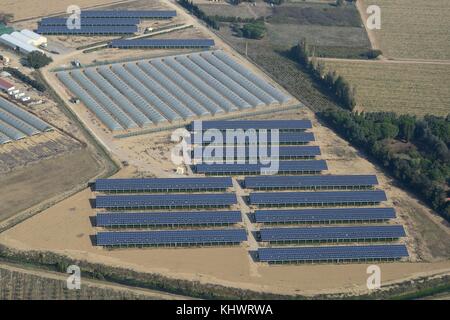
[39, 276]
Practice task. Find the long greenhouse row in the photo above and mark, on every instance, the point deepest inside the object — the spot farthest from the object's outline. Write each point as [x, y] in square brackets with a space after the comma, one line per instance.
[16, 123]
[150, 92]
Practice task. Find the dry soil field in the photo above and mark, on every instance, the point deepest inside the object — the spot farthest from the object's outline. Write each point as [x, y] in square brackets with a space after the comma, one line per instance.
[26, 9]
[414, 29]
[400, 87]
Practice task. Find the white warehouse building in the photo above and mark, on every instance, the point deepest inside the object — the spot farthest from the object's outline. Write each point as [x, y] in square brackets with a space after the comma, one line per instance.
[19, 36]
[17, 44]
[36, 38]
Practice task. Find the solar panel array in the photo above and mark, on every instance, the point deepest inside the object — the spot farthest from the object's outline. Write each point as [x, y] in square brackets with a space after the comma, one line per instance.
[149, 92]
[174, 219]
[16, 123]
[219, 153]
[141, 14]
[91, 21]
[284, 139]
[331, 234]
[161, 43]
[125, 212]
[172, 238]
[284, 167]
[165, 201]
[87, 30]
[317, 198]
[311, 182]
[333, 253]
[280, 125]
[328, 215]
[163, 185]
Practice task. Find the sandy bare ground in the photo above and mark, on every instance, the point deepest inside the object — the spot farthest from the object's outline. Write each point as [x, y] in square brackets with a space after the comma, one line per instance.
[27, 9]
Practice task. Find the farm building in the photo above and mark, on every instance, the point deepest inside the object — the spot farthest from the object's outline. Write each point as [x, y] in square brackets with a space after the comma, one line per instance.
[36, 39]
[6, 86]
[17, 44]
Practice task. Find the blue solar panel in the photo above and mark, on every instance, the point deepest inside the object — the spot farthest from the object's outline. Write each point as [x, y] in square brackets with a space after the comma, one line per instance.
[316, 198]
[284, 138]
[284, 167]
[332, 233]
[144, 14]
[178, 237]
[282, 125]
[332, 253]
[324, 215]
[166, 201]
[91, 22]
[311, 182]
[162, 185]
[87, 30]
[254, 152]
[162, 43]
[125, 219]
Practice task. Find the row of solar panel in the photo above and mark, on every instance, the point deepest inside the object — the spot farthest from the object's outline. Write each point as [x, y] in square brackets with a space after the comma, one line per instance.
[273, 167]
[161, 43]
[311, 182]
[141, 14]
[220, 153]
[284, 138]
[166, 201]
[222, 125]
[332, 254]
[163, 184]
[317, 198]
[16, 123]
[331, 234]
[90, 21]
[158, 219]
[172, 237]
[125, 96]
[324, 216]
[171, 218]
[86, 30]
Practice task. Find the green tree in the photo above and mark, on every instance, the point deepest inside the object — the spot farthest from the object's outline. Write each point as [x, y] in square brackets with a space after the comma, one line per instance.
[37, 59]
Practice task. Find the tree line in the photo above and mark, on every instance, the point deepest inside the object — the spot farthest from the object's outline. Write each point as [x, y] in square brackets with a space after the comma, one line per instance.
[424, 168]
[199, 13]
[333, 83]
[23, 77]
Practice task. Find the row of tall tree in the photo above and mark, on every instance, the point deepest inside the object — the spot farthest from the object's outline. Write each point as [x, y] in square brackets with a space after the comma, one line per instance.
[423, 167]
[199, 13]
[333, 83]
